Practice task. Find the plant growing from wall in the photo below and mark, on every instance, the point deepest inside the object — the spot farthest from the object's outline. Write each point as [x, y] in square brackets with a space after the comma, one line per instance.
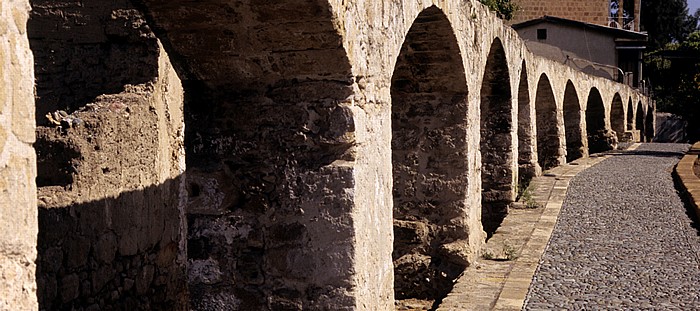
[504, 8]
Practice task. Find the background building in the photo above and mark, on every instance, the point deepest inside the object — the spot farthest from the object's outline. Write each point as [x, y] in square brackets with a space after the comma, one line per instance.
[604, 51]
[598, 12]
[597, 37]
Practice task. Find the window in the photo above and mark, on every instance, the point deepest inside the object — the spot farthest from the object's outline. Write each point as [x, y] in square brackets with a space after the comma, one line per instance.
[541, 34]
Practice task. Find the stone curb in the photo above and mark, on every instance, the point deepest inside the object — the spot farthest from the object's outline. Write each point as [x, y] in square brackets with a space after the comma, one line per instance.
[503, 283]
[683, 172]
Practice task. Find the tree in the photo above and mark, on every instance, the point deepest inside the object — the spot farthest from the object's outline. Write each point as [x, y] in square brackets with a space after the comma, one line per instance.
[666, 21]
[504, 8]
[676, 72]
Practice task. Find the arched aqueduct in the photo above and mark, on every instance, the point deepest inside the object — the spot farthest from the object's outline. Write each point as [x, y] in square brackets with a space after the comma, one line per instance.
[288, 154]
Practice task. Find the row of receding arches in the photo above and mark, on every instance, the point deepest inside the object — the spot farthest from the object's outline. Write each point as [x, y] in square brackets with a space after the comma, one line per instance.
[429, 146]
[264, 123]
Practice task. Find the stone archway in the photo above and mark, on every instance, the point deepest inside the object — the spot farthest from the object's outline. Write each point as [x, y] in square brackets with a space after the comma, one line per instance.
[649, 124]
[496, 140]
[599, 139]
[617, 116]
[549, 151]
[572, 124]
[268, 88]
[429, 145]
[527, 166]
[630, 115]
[109, 181]
[639, 121]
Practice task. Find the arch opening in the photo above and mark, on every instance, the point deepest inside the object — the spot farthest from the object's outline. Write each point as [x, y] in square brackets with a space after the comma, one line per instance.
[572, 124]
[649, 124]
[630, 115]
[527, 167]
[429, 119]
[496, 140]
[118, 63]
[267, 87]
[617, 117]
[639, 121]
[549, 151]
[599, 138]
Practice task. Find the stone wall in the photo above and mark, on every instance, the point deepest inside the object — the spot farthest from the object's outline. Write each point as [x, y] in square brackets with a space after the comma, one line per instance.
[269, 139]
[496, 140]
[600, 138]
[297, 114]
[309, 125]
[429, 164]
[110, 169]
[575, 147]
[527, 164]
[18, 216]
[549, 126]
[80, 51]
[594, 12]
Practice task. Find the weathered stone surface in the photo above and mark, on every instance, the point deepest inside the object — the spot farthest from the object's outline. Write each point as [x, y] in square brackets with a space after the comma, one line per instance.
[310, 127]
[18, 218]
[111, 188]
[70, 287]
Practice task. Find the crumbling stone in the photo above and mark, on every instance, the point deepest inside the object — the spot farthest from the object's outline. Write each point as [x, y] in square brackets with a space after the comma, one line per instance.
[291, 154]
[602, 140]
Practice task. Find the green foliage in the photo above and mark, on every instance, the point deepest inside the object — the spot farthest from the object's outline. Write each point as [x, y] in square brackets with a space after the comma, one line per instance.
[504, 8]
[510, 252]
[666, 21]
[525, 196]
[675, 74]
[672, 66]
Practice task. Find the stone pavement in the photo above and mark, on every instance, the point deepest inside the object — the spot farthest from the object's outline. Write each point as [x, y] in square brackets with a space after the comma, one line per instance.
[502, 282]
[623, 240]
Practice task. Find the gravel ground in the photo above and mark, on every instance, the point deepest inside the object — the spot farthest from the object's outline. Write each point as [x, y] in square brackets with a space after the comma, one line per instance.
[623, 240]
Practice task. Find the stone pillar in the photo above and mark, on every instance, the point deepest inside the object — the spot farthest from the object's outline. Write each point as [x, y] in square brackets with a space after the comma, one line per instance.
[18, 214]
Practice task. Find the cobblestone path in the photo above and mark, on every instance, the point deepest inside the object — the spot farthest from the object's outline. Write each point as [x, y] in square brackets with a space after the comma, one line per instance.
[623, 240]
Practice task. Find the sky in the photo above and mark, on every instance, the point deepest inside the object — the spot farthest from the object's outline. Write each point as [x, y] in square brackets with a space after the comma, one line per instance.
[693, 5]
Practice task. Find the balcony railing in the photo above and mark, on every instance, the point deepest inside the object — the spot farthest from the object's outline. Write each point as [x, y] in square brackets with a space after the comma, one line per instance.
[627, 23]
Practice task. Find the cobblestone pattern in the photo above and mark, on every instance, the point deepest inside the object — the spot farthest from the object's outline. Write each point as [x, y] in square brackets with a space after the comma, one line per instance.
[623, 239]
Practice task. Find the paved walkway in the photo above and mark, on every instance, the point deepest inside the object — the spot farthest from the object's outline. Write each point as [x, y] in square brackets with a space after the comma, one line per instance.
[502, 281]
[623, 240]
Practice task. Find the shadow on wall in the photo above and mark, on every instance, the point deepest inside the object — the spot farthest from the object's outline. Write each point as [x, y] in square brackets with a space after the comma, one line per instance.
[496, 142]
[118, 253]
[670, 128]
[600, 138]
[548, 126]
[429, 104]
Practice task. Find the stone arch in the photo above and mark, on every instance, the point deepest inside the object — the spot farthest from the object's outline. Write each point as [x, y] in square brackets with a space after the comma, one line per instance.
[572, 124]
[267, 96]
[649, 124]
[547, 122]
[639, 121]
[598, 138]
[496, 139]
[130, 167]
[630, 115]
[617, 116]
[526, 167]
[429, 145]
